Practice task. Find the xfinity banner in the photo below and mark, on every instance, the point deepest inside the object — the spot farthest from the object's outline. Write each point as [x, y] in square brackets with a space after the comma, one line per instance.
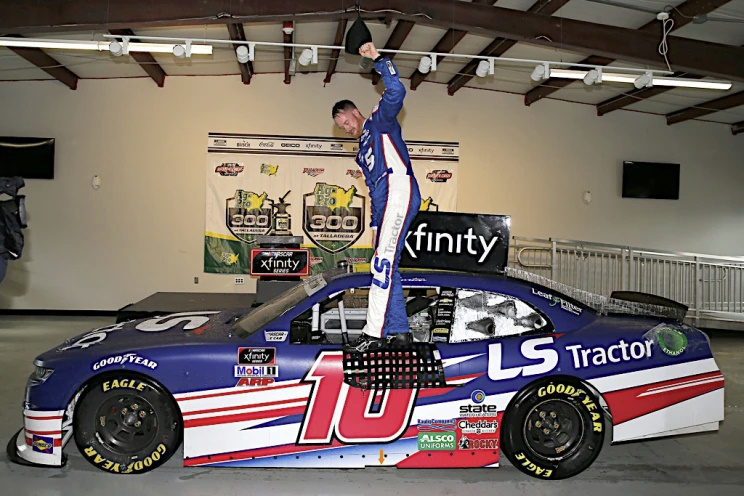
[466, 242]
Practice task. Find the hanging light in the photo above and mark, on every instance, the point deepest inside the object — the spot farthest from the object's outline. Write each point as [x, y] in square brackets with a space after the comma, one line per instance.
[306, 57]
[593, 76]
[179, 51]
[116, 49]
[539, 72]
[644, 80]
[483, 68]
[242, 53]
[424, 64]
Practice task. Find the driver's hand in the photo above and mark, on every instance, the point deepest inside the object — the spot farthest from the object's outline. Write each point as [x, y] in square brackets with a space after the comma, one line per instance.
[368, 50]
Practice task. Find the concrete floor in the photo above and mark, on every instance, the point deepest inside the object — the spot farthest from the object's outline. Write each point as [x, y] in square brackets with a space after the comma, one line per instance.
[710, 464]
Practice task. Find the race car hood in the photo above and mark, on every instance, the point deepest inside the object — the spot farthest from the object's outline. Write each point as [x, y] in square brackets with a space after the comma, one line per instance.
[177, 329]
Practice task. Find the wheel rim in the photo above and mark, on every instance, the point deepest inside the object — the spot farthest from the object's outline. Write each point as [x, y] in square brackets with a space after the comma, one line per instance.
[126, 424]
[554, 429]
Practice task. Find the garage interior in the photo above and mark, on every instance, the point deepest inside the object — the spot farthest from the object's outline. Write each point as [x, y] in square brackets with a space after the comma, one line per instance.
[118, 232]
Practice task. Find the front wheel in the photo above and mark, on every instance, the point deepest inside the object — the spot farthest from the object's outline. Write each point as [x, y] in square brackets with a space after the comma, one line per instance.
[126, 424]
[554, 428]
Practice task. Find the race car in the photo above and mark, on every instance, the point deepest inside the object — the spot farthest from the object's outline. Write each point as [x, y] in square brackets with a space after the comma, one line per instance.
[510, 364]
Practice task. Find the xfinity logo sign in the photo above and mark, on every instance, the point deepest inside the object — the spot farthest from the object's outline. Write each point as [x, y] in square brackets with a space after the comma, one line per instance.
[475, 243]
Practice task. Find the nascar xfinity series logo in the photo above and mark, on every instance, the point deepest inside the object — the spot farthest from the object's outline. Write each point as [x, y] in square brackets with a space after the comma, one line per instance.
[333, 217]
[246, 216]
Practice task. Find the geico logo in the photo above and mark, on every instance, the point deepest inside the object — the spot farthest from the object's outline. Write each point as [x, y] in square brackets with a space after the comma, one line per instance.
[543, 472]
[334, 222]
[438, 438]
[469, 409]
[621, 352]
[137, 466]
[568, 390]
[548, 360]
[290, 145]
[249, 220]
[124, 384]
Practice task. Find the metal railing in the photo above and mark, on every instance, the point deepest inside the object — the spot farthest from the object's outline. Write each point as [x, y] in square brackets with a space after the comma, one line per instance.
[711, 286]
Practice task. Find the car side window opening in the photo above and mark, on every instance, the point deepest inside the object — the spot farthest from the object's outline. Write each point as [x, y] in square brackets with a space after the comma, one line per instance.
[322, 323]
[482, 315]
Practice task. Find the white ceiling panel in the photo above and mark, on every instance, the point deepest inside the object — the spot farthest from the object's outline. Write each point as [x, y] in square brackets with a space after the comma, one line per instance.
[584, 10]
[15, 68]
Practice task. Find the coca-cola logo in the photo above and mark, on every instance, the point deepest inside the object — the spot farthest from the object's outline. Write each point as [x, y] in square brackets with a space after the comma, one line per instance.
[266, 144]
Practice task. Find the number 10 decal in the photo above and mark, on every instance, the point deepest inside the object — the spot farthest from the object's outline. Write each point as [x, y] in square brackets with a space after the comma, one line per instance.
[336, 408]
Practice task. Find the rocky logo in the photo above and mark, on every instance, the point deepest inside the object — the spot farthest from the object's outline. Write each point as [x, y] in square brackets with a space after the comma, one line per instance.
[313, 171]
[246, 215]
[229, 169]
[439, 176]
[333, 217]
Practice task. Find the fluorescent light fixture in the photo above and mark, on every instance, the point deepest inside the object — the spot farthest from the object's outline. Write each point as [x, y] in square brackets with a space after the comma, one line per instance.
[169, 48]
[692, 83]
[561, 73]
[57, 44]
[483, 68]
[424, 65]
[644, 80]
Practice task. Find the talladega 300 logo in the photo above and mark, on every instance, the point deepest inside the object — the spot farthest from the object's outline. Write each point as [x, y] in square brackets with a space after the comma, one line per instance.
[333, 217]
[246, 215]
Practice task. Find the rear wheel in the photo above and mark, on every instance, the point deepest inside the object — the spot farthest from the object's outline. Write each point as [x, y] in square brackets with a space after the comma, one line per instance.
[554, 428]
[127, 424]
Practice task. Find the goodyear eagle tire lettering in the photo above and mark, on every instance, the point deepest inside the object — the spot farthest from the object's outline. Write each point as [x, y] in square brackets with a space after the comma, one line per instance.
[126, 424]
[554, 428]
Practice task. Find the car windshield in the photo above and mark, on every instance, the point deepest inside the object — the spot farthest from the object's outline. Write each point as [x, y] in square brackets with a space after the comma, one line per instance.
[278, 305]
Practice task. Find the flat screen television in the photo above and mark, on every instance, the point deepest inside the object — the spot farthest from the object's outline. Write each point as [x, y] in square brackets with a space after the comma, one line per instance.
[30, 158]
[650, 180]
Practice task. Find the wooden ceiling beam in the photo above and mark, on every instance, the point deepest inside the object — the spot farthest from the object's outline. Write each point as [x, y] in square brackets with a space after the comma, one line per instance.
[237, 33]
[397, 37]
[46, 63]
[723, 103]
[335, 54]
[144, 59]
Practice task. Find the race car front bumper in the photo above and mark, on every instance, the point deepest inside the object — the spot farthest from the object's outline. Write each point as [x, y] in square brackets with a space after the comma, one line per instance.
[40, 441]
[19, 451]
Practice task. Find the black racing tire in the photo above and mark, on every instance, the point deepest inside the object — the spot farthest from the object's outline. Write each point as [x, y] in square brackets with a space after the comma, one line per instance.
[127, 424]
[553, 428]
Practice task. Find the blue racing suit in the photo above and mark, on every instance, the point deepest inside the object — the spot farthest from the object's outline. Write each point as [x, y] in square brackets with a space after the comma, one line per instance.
[395, 198]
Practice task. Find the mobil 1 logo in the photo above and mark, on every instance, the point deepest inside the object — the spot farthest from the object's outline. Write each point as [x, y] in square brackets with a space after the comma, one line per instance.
[333, 217]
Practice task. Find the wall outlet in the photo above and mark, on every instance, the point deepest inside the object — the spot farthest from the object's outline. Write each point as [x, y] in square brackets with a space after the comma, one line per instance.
[240, 280]
[196, 280]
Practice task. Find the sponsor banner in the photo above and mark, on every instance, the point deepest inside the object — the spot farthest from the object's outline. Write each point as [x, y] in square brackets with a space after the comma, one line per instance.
[466, 242]
[328, 201]
[280, 262]
[298, 145]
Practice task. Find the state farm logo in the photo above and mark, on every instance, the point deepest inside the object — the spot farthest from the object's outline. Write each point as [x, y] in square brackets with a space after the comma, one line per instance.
[229, 169]
[313, 171]
[266, 144]
[356, 174]
[439, 176]
[290, 145]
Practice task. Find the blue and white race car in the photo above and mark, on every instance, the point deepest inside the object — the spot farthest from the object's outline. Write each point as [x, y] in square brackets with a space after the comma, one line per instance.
[513, 364]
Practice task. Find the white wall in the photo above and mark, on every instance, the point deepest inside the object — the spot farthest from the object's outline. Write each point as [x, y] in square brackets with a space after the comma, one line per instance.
[143, 231]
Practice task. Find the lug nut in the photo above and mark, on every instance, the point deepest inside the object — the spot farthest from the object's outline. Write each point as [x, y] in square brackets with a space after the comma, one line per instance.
[546, 431]
[137, 424]
[135, 406]
[555, 426]
[552, 414]
[123, 411]
[142, 414]
[542, 415]
[538, 424]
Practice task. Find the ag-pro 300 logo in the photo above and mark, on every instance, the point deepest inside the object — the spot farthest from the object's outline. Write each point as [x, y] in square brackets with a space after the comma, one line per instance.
[333, 217]
[245, 215]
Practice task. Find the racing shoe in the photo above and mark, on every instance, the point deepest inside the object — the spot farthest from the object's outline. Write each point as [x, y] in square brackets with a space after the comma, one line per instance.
[366, 343]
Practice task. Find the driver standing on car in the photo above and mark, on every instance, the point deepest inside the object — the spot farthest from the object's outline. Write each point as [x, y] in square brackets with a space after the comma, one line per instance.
[395, 200]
